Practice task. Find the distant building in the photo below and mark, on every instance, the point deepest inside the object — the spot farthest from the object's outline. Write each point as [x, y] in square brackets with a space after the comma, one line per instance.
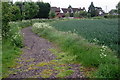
[57, 11]
[99, 11]
[60, 12]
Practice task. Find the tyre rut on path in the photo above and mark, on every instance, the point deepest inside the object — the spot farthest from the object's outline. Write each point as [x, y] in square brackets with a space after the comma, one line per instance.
[36, 50]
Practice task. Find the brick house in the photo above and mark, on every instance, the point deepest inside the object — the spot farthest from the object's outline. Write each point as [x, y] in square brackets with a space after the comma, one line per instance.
[60, 12]
[57, 11]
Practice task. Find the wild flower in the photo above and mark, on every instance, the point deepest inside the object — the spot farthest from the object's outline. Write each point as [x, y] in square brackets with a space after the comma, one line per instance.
[103, 49]
[95, 40]
[41, 25]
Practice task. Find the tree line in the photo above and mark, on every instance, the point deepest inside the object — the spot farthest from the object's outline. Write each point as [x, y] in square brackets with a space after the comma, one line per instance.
[22, 11]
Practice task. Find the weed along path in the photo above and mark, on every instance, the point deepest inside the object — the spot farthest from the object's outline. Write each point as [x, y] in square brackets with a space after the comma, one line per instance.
[37, 61]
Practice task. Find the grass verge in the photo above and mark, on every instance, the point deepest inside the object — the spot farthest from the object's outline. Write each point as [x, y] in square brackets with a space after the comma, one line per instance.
[89, 54]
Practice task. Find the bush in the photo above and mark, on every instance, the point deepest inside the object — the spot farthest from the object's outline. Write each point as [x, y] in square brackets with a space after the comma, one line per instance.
[14, 32]
[111, 16]
[107, 71]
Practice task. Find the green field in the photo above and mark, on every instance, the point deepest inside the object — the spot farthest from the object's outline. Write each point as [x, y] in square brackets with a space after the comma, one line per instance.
[101, 31]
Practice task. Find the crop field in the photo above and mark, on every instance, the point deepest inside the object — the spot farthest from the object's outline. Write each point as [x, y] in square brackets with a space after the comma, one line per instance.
[101, 31]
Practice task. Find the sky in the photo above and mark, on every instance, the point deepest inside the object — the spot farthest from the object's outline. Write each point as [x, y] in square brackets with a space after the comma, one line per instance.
[106, 5]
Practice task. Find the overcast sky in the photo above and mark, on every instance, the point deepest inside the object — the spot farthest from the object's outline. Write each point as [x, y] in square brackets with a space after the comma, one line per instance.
[106, 5]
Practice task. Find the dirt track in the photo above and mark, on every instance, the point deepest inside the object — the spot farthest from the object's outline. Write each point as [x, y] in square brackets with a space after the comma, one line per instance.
[36, 50]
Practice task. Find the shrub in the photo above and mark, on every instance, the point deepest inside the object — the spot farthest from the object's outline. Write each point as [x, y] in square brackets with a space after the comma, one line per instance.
[107, 71]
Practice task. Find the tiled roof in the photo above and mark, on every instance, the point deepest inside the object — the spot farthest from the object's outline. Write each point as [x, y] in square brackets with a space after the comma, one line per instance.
[55, 9]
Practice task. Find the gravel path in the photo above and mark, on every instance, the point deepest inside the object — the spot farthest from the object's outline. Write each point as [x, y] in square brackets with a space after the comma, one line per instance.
[36, 50]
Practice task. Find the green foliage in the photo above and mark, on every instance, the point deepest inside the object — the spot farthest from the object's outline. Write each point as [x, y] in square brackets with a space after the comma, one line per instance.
[30, 10]
[52, 14]
[44, 9]
[83, 14]
[113, 11]
[11, 46]
[9, 54]
[91, 10]
[6, 17]
[77, 46]
[76, 14]
[107, 71]
[15, 11]
[118, 5]
[15, 35]
[67, 14]
[111, 16]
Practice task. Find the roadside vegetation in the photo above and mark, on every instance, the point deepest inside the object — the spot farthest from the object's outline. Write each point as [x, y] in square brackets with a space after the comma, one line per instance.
[11, 45]
[88, 54]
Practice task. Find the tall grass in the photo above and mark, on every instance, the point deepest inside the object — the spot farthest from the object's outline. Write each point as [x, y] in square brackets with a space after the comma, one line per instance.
[89, 54]
[11, 46]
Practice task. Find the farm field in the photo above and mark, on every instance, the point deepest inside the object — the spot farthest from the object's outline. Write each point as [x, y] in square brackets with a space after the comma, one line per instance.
[101, 31]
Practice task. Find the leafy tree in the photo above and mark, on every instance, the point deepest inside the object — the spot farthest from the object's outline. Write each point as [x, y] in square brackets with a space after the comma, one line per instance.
[91, 10]
[70, 11]
[69, 6]
[67, 14]
[15, 11]
[118, 5]
[30, 10]
[82, 14]
[6, 17]
[76, 14]
[52, 14]
[88, 15]
[20, 5]
[44, 9]
[113, 11]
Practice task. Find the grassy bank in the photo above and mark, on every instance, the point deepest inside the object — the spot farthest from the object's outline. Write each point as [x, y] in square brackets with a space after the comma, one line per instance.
[88, 54]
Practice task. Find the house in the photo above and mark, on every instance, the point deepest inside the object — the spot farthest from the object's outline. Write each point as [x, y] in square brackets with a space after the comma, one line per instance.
[72, 10]
[99, 12]
[57, 11]
[60, 12]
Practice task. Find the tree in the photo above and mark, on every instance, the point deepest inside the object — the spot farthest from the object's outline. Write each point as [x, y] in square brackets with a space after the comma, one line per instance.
[20, 5]
[15, 12]
[44, 9]
[82, 14]
[91, 10]
[113, 11]
[69, 6]
[67, 14]
[30, 10]
[70, 10]
[52, 14]
[6, 17]
[118, 7]
[76, 14]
